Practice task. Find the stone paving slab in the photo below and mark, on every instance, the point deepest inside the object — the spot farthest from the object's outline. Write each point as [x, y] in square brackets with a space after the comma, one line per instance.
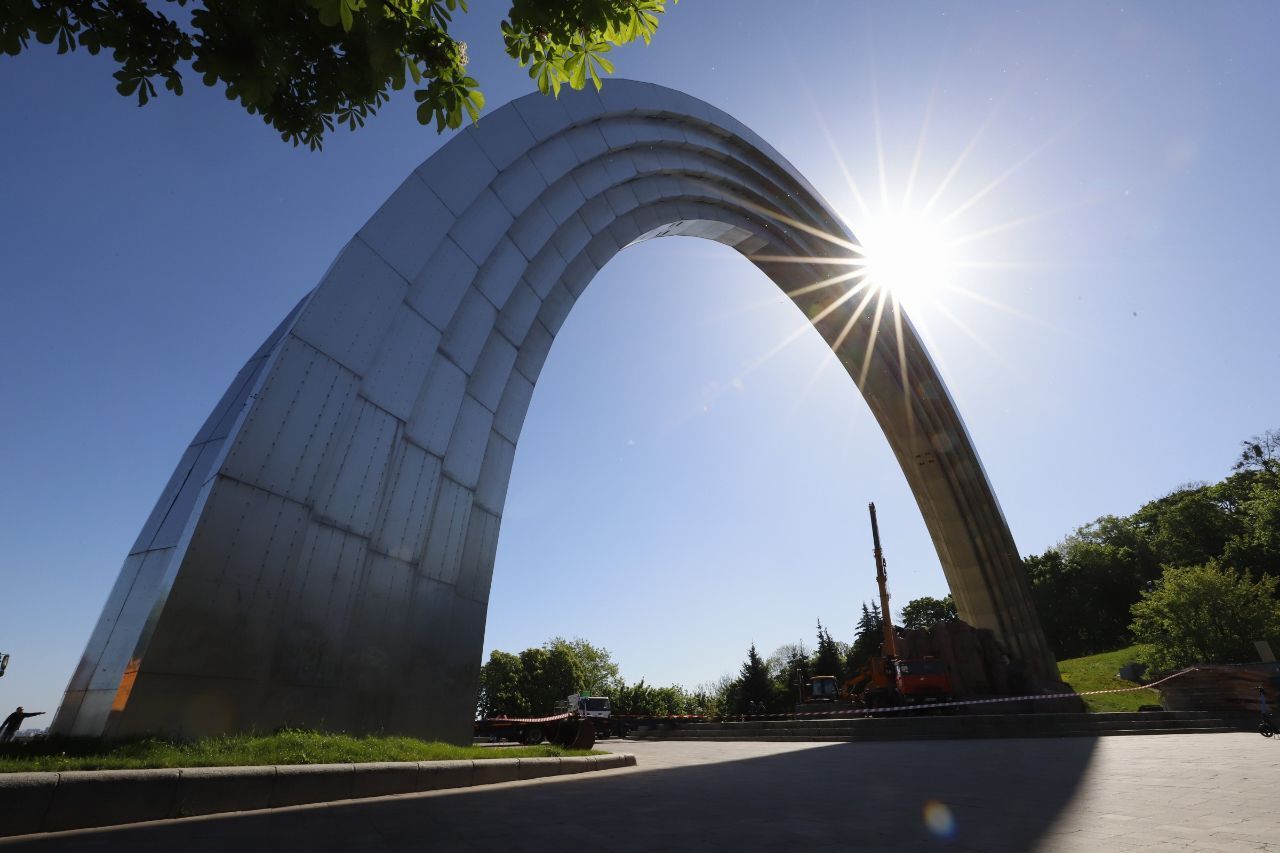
[1067, 795]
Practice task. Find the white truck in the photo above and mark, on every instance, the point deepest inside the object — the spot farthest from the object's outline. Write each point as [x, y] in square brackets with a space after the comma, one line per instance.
[593, 708]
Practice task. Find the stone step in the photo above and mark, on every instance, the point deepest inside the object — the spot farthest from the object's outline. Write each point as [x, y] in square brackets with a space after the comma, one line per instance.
[955, 730]
[838, 738]
[1002, 718]
[833, 739]
[962, 719]
[949, 727]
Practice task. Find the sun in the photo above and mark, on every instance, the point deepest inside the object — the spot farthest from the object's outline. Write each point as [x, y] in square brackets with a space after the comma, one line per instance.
[907, 253]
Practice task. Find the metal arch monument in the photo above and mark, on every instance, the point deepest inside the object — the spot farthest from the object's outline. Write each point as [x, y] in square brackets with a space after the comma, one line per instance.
[322, 555]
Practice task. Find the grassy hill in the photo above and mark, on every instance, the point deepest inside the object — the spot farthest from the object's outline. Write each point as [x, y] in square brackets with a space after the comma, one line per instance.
[1098, 672]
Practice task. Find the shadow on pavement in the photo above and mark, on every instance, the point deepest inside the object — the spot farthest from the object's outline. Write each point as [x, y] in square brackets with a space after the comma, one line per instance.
[989, 795]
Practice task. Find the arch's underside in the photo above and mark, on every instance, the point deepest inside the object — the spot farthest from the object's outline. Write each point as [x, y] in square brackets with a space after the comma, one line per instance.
[322, 555]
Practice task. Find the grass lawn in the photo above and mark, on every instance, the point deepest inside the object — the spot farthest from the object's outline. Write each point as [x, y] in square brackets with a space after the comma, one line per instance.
[1098, 672]
[287, 747]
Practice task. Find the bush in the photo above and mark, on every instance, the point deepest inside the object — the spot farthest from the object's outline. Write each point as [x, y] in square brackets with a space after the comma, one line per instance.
[1205, 614]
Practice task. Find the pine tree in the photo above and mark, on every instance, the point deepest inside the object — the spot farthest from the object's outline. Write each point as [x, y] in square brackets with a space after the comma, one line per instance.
[826, 660]
[794, 672]
[754, 684]
[868, 638]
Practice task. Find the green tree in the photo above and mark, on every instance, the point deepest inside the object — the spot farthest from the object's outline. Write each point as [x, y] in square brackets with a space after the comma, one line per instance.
[715, 698]
[1083, 588]
[1205, 614]
[827, 659]
[926, 611]
[500, 682]
[548, 676]
[789, 663]
[753, 684]
[1252, 497]
[599, 672]
[1260, 453]
[1255, 545]
[306, 66]
[647, 700]
[867, 639]
[1186, 527]
[534, 680]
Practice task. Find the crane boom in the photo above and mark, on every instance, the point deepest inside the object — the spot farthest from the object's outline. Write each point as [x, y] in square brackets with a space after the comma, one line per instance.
[882, 578]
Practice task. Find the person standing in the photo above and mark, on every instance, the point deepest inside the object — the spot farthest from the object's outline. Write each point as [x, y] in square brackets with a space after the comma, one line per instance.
[9, 727]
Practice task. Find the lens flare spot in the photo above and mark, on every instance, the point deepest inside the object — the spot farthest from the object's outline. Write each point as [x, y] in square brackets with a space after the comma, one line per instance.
[939, 819]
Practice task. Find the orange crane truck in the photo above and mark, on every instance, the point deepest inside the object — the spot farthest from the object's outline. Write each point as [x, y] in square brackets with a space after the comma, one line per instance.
[886, 680]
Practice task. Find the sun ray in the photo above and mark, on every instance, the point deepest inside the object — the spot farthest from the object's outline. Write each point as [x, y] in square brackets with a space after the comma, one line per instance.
[1023, 220]
[871, 343]
[1008, 309]
[983, 345]
[999, 265]
[828, 282]
[964, 155]
[1002, 177]
[903, 379]
[915, 161]
[853, 318]
[875, 111]
[791, 338]
[801, 259]
[923, 327]
[786, 297]
[823, 362]
[834, 353]
[840, 161]
[779, 216]
[968, 331]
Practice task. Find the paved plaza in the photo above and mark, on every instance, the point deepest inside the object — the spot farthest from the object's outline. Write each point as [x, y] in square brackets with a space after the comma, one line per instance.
[1154, 792]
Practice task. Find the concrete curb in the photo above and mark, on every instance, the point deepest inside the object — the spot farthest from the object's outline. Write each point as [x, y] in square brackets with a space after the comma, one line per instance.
[81, 799]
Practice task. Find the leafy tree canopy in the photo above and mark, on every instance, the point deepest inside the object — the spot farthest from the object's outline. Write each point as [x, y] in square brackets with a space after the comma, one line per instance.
[306, 66]
[784, 660]
[926, 611]
[1260, 453]
[547, 676]
[648, 700]
[1085, 586]
[531, 682]
[1205, 614]
[599, 672]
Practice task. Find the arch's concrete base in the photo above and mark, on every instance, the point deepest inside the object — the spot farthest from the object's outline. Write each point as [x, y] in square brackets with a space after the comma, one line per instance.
[322, 555]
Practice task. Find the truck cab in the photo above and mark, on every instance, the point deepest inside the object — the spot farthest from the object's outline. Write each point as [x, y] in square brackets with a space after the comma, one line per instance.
[923, 680]
[822, 688]
[590, 706]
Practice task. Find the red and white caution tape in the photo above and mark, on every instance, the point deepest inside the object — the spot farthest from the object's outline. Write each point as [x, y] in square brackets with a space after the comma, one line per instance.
[552, 718]
[900, 708]
[869, 711]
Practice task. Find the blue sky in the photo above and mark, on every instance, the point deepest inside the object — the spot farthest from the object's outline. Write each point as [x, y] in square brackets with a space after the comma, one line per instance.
[1106, 171]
